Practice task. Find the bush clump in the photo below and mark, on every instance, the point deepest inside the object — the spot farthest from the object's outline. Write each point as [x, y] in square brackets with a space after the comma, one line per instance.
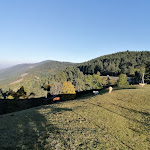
[122, 81]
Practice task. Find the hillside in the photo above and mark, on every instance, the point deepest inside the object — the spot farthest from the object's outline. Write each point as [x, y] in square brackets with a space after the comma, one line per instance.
[35, 76]
[120, 120]
[47, 68]
[12, 73]
[114, 64]
[42, 69]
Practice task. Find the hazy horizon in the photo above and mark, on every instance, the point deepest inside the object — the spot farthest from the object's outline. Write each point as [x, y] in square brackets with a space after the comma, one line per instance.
[5, 65]
[72, 31]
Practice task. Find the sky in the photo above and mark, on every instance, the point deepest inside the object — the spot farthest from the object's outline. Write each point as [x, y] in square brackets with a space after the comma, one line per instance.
[71, 30]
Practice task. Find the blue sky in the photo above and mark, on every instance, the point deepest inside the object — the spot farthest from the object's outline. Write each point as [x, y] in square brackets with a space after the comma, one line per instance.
[71, 30]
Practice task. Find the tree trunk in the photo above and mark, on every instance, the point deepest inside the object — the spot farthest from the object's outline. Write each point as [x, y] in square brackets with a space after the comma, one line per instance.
[143, 78]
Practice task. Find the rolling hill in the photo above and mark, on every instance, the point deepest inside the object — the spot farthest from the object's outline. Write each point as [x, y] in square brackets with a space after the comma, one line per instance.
[34, 76]
[114, 64]
[119, 120]
[12, 73]
[43, 68]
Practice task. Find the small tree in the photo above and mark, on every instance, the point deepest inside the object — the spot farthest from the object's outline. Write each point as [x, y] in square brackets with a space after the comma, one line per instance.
[47, 88]
[56, 88]
[21, 92]
[4, 94]
[88, 82]
[122, 82]
[68, 88]
[97, 81]
[108, 81]
[68, 91]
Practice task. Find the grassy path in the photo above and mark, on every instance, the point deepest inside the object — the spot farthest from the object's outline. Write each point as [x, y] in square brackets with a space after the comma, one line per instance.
[116, 121]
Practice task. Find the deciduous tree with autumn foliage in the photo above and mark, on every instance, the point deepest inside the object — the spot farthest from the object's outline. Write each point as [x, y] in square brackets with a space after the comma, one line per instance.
[68, 90]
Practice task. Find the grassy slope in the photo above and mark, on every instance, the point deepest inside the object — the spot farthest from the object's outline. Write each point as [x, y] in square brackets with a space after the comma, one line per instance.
[120, 120]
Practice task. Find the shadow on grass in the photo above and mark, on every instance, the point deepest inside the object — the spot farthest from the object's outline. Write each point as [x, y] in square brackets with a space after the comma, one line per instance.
[135, 111]
[30, 129]
[8, 106]
[57, 109]
[145, 115]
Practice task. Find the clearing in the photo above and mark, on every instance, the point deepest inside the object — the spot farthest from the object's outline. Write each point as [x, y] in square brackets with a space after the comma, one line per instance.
[120, 120]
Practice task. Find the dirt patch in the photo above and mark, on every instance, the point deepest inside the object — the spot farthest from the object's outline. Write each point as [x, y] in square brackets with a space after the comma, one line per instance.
[23, 75]
[17, 81]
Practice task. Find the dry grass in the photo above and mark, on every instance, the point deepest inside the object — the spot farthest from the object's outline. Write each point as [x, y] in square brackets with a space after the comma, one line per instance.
[120, 120]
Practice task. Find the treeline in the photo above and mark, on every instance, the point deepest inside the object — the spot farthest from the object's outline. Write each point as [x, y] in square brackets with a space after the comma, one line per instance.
[67, 81]
[80, 81]
[89, 75]
[115, 64]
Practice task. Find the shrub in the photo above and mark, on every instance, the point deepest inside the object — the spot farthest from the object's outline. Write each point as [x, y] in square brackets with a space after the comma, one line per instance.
[68, 88]
[122, 82]
[10, 97]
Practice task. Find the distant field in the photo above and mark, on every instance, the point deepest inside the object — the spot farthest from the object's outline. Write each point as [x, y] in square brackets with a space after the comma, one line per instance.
[116, 121]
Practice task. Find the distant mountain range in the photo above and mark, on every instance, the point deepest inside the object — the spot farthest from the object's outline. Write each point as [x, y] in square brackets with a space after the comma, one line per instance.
[4, 66]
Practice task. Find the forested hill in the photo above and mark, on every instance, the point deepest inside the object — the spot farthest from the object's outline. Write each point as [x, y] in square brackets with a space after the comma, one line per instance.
[84, 76]
[114, 64]
[47, 68]
[44, 68]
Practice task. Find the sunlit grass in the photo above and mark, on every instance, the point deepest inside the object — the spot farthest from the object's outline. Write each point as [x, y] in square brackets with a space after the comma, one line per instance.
[120, 120]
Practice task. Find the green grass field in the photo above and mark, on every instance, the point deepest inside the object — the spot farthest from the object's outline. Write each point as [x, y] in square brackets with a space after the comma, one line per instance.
[116, 121]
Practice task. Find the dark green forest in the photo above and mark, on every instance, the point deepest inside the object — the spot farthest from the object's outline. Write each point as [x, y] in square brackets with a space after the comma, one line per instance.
[122, 62]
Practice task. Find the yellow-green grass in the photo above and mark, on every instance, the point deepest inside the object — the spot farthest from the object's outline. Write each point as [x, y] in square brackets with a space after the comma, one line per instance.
[116, 121]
